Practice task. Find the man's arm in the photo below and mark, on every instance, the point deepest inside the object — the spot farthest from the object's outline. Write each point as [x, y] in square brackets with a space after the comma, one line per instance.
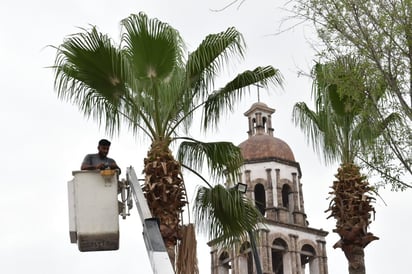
[87, 163]
[113, 165]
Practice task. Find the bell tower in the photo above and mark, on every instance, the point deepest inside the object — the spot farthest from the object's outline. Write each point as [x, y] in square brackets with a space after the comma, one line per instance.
[287, 245]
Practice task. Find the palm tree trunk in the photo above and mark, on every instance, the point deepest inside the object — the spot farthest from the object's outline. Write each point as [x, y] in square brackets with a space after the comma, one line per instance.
[356, 259]
[165, 192]
[352, 207]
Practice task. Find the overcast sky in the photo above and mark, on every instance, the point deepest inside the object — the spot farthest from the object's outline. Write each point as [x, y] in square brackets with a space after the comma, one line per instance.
[45, 139]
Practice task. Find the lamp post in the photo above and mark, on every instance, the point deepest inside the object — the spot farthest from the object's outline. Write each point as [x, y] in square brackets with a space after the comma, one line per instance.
[242, 188]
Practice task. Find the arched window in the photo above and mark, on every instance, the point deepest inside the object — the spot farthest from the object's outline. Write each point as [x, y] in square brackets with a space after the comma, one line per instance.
[224, 263]
[307, 256]
[286, 191]
[260, 198]
[247, 260]
[279, 248]
[254, 126]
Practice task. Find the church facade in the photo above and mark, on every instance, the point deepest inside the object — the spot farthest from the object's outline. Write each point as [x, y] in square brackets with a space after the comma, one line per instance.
[286, 244]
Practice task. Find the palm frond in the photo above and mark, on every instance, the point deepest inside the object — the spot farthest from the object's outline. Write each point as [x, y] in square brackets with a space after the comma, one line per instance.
[222, 158]
[225, 215]
[370, 128]
[340, 98]
[155, 51]
[154, 47]
[211, 55]
[223, 100]
[92, 73]
[318, 130]
[177, 107]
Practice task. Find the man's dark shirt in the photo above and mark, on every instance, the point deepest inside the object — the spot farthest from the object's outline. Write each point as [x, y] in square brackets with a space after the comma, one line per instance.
[95, 159]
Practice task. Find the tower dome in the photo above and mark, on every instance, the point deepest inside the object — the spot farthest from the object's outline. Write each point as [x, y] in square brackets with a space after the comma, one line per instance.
[260, 147]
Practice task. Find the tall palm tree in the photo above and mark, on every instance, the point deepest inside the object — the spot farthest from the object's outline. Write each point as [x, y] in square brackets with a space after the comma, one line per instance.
[341, 127]
[151, 85]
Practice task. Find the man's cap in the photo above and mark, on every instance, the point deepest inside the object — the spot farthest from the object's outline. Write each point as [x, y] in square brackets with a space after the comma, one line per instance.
[104, 142]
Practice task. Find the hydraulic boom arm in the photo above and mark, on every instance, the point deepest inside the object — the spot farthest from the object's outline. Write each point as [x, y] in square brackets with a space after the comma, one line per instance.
[155, 246]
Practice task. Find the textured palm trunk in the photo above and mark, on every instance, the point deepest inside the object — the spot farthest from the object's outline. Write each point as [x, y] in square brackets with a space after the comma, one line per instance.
[351, 207]
[356, 259]
[165, 193]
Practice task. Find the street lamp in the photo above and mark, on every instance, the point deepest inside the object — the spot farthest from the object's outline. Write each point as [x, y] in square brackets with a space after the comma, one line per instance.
[242, 188]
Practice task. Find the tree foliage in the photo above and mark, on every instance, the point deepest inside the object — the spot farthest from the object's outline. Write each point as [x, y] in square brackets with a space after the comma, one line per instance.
[340, 129]
[380, 33]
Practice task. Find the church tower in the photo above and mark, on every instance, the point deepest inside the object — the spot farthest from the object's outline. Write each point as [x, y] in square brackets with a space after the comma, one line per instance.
[287, 245]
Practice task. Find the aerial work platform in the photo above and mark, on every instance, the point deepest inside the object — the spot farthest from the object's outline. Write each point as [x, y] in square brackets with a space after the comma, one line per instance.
[94, 214]
[94, 210]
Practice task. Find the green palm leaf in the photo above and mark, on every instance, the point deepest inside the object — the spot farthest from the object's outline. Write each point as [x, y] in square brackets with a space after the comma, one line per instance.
[209, 58]
[154, 47]
[91, 72]
[225, 214]
[222, 100]
[222, 158]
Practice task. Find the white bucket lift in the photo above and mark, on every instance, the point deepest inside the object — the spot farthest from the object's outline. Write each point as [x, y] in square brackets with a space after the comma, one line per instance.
[94, 214]
[94, 210]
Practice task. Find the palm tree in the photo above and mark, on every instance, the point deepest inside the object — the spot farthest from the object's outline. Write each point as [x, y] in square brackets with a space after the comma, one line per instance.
[342, 127]
[148, 84]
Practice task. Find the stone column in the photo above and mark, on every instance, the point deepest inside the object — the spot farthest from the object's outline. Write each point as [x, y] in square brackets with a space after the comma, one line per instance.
[298, 214]
[249, 190]
[265, 250]
[270, 211]
[214, 261]
[259, 123]
[295, 193]
[270, 128]
[295, 255]
[250, 132]
[278, 202]
[323, 261]
[302, 203]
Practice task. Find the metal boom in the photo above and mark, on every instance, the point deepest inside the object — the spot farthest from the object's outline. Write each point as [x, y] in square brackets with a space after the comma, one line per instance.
[155, 246]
